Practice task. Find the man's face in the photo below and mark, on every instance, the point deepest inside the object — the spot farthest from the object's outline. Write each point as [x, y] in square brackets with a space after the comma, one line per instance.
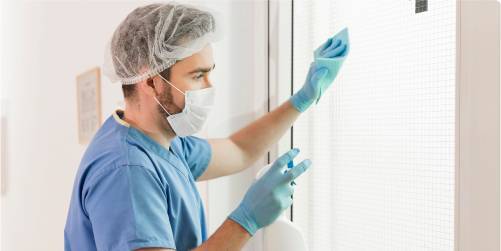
[191, 73]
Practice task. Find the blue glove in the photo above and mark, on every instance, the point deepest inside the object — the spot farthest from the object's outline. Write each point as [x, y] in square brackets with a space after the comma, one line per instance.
[270, 195]
[328, 59]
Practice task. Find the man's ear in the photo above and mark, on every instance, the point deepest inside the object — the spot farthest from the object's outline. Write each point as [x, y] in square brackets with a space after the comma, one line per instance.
[149, 87]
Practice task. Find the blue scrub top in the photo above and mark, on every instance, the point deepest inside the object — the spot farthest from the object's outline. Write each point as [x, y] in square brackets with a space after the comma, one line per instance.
[130, 192]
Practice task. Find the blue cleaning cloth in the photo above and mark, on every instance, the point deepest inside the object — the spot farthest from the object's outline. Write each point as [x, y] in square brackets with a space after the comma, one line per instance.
[333, 64]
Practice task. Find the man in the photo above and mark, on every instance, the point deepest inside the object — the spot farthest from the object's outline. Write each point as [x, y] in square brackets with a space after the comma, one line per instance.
[135, 187]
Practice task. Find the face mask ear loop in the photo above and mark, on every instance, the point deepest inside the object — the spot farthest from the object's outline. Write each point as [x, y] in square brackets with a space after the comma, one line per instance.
[161, 105]
[171, 84]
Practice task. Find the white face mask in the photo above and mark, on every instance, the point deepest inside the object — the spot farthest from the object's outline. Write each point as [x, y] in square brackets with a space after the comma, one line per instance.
[197, 105]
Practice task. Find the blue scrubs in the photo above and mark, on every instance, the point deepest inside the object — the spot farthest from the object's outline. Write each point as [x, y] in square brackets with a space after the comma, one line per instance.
[130, 192]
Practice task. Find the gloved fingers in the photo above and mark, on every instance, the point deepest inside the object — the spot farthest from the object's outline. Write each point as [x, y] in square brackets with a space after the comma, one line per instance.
[280, 163]
[335, 52]
[334, 44]
[299, 169]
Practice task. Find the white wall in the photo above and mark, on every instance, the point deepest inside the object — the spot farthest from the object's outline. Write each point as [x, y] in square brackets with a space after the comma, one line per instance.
[45, 45]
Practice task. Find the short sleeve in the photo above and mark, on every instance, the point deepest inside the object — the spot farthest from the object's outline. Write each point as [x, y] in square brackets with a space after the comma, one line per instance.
[197, 152]
[127, 208]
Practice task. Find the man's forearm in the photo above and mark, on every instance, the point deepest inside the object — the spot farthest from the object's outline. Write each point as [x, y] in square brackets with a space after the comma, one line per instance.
[229, 236]
[240, 150]
[256, 138]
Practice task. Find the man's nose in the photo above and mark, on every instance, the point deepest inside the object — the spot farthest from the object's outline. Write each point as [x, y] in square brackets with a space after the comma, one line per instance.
[208, 84]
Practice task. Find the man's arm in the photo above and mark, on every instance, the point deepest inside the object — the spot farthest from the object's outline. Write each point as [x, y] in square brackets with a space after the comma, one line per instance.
[263, 203]
[229, 236]
[240, 150]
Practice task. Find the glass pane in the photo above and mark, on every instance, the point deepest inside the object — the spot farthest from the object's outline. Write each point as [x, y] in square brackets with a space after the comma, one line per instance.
[382, 138]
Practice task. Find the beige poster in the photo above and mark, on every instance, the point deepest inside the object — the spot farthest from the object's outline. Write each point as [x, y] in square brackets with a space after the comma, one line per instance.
[88, 104]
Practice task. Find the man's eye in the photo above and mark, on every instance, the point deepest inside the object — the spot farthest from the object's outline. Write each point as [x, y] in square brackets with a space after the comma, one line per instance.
[199, 76]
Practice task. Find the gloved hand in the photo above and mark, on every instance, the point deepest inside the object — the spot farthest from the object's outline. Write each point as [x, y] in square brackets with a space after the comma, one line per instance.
[328, 59]
[270, 195]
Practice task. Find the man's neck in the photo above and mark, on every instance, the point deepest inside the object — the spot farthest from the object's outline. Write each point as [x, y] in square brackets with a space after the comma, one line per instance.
[147, 122]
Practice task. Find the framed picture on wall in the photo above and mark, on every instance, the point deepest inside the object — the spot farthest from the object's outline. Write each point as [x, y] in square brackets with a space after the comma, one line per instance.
[88, 104]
